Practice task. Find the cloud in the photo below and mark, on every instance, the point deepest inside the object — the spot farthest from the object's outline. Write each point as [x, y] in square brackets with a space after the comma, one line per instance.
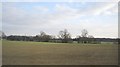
[19, 20]
[102, 8]
[41, 9]
[62, 12]
[105, 8]
[60, 0]
[13, 14]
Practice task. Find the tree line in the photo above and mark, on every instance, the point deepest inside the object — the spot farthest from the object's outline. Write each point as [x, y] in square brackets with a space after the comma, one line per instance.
[63, 37]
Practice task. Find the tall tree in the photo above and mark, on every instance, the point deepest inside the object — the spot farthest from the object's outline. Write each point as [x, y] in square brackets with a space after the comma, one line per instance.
[43, 37]
[65, 36]
[42, 33]
[2, 35]
[84, 36]
[84, 33]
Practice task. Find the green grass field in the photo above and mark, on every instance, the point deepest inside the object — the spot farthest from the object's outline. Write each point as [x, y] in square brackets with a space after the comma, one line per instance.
[43, 53]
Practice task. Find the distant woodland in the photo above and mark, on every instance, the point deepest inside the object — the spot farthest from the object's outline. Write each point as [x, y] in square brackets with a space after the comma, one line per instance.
[63, 37]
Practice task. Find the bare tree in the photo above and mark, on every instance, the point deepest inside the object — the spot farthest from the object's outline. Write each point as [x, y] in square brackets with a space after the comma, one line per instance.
[84, 36]
[43, 37]
[2, 35]
[42, 33]
[84, 33]
[64, 35]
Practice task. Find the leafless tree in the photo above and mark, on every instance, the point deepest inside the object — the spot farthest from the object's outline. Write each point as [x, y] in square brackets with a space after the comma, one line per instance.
[84, 33]
[2, 35]
[43, 37]
[42, 33]
[64, 35]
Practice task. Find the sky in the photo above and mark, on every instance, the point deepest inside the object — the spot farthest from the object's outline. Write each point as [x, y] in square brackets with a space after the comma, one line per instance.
[100, 19]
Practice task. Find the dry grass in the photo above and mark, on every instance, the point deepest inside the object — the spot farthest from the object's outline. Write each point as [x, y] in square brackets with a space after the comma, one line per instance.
[41, 53]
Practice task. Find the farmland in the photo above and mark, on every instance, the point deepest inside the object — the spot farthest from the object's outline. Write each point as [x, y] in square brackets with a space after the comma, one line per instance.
[44, 53]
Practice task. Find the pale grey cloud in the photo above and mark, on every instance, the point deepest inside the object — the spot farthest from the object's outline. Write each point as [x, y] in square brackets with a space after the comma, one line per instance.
[101, 8]
[105, 8]
[41, 9]
[59, 0]
[20, 21]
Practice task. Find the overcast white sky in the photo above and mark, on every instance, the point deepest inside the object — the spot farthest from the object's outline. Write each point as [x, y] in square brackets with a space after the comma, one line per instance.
[29, 18]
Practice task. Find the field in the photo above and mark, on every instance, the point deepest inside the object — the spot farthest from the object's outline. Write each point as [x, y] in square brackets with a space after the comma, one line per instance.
[43, 53]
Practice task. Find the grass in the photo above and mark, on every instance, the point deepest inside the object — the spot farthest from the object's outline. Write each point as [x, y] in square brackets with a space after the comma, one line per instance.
[43, 53]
